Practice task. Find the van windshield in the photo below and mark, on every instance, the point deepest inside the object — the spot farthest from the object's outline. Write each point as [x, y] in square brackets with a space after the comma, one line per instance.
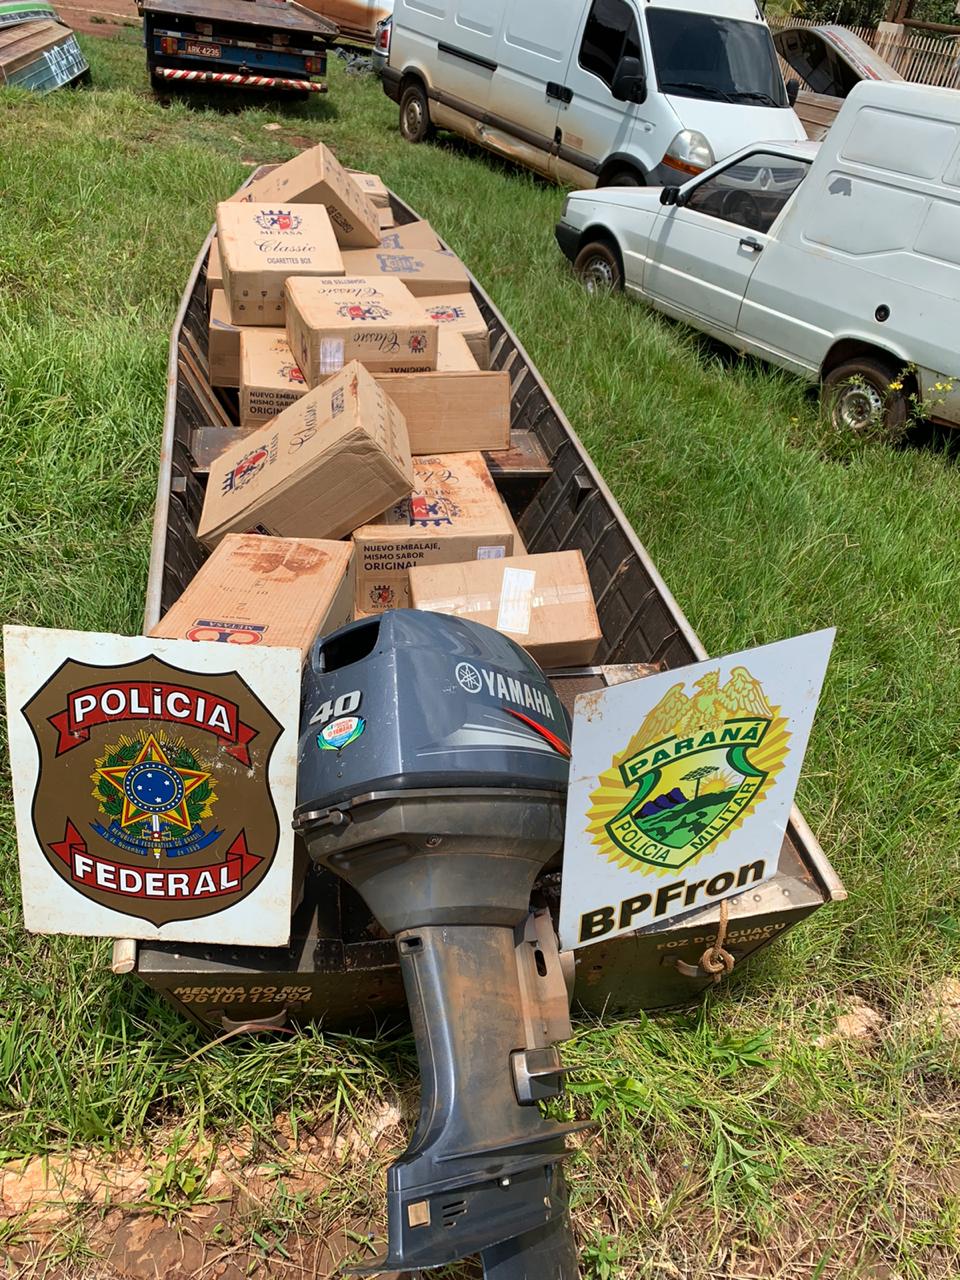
[699, 56]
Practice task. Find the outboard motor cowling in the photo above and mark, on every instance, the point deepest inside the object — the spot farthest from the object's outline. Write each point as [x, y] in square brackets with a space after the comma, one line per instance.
[433, 768]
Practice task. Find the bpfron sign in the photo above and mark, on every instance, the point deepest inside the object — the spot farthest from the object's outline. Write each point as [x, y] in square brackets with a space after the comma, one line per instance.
[153, 783]
[681, 786]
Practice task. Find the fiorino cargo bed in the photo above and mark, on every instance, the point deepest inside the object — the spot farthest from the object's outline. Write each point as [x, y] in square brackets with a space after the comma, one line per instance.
[340, 966]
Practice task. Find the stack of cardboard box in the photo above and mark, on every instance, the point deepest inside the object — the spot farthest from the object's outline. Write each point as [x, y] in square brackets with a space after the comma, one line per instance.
[355, 483]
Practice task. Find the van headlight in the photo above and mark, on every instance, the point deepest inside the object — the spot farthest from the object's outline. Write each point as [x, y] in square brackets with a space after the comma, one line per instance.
[689, 152]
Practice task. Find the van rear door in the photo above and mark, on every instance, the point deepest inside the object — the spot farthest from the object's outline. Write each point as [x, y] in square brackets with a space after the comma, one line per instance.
[527, 90]
[592, 123]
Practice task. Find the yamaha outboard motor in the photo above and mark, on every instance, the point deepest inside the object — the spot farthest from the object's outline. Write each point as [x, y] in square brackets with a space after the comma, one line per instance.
[432, 777]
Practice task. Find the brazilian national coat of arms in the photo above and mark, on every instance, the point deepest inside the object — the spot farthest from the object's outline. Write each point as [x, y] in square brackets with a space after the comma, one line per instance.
[697, 767]
[152, 796]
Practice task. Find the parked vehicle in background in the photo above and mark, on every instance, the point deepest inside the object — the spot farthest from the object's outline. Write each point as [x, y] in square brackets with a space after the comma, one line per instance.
[381, 45]
[37, 49]
[256, 44]
[830, 61]
[591, 92]
[839, 261]
[358, 20]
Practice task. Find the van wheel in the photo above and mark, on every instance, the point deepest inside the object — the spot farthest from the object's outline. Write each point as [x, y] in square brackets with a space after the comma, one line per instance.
[624, 178]
[867, 397]
[598, 267]
[415, 123]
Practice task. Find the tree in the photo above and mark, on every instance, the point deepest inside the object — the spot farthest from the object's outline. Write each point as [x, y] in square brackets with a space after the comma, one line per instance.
[698, 775]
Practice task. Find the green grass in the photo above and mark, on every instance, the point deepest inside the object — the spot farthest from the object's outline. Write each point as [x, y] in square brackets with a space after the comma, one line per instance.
[730, 1144]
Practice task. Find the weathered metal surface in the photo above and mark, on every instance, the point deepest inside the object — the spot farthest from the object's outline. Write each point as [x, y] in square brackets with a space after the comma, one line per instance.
[37, 50]
[357, 19]
[258, 13]
[339, 966]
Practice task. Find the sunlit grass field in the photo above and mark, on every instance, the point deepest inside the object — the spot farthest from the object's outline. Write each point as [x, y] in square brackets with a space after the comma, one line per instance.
[731, 1144]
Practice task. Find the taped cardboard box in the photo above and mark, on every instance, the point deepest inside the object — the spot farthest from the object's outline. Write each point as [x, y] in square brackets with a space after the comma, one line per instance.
[316, 176]
[543, 602]
[453, 514]
[326, 464]
[426, 273]
[270, 378]
[331, 322]
[260, 590]
[260, 247]
[459, 312]
[223, 343]
[373, 187]
[214, 271]
[455, 409]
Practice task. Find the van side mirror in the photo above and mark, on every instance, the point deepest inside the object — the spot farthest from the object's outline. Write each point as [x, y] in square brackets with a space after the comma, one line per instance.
[670, 195]
[629, 82]
[793, 89]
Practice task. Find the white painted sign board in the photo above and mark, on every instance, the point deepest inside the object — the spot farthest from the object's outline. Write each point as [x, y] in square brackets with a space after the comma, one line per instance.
[681, 786]
[154, 785]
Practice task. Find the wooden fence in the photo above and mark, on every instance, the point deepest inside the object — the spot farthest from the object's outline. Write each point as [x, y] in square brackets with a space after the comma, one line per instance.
[924, 59]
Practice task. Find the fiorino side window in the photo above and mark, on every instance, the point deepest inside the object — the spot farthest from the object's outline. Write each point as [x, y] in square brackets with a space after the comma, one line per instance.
[610, 35]
[751, 192]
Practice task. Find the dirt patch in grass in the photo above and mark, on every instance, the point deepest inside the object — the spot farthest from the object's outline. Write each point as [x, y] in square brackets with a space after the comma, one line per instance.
[99, 17]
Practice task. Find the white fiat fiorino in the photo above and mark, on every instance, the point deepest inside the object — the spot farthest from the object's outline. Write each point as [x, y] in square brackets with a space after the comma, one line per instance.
[838, 260]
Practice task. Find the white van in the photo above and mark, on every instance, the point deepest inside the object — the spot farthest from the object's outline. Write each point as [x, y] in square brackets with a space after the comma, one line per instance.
[839, 260]
[592, 92]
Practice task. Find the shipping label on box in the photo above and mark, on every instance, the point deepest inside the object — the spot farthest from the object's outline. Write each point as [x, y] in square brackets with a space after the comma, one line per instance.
[259, 590]
[544, 602]
[331, 322]
[154, 783]
[326, 464]
[317, 177]
[426, 273]
[261, 246]
[453, 514]
[270, 378]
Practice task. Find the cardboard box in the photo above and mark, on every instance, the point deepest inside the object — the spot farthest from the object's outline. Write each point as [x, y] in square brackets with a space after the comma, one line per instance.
[331, 322]
[214, 271]
[460, 313]
[543, 602]
[387, 220]
[257, 590]
[453, 514]
[453, 354]
[426, 273]
[223, 344]
[270, 378]
[454, 410]
[261, 246]
[329, 462]
[451, 411]
[316, 176]
[410, 237]
[373, 187]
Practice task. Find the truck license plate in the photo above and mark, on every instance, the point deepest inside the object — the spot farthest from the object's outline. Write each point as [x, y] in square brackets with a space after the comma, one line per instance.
[202, 50]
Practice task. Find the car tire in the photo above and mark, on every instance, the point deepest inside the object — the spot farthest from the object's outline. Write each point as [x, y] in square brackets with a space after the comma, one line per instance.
[865, 394]
[415, 123]
[625, 178]
[598, 267]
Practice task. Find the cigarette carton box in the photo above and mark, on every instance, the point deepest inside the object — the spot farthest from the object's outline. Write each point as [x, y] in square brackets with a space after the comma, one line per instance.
[328, 463]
